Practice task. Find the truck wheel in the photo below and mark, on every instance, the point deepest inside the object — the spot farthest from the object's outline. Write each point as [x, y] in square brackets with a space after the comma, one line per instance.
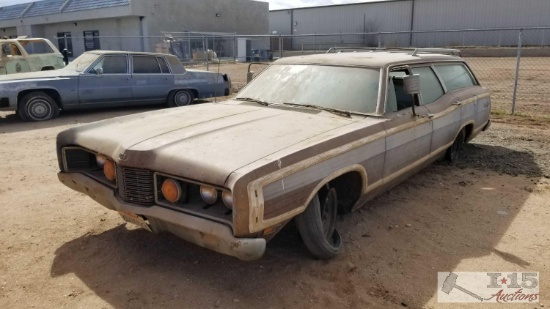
[317, 226]
[37, 106]
[453, 153]
[181, 98]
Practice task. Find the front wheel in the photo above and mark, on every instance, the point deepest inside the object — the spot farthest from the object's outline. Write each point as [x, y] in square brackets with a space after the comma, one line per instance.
[453, 153]
[317, 226]
[37, 106]
[181, 98]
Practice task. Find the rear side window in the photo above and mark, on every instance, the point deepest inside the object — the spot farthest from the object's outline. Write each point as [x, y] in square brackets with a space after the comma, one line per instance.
[455, 76]
[430, 87]
[163, 65]
[146, 65]
[175, 64]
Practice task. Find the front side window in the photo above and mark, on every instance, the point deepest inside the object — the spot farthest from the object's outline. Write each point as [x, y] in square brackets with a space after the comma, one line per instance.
[11, 50]
[430, 87]
[146, 65]
[455, 76]
[346, 88]
[397, 99]
[115, 64]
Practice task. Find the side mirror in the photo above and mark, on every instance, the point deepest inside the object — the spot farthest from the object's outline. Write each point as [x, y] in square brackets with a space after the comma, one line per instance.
[249, 76]
[99, 71]
[411, 83]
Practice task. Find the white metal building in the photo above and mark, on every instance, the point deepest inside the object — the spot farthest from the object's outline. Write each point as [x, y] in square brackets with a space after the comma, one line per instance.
[419, 15]
[129, 24]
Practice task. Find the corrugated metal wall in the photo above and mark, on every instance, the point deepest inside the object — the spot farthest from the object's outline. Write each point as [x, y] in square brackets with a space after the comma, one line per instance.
[389, 16]
[480, 14]
[359, 18]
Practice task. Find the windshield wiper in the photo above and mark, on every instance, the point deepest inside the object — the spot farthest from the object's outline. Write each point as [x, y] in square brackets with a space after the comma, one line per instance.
[336, 111]
[253, 100]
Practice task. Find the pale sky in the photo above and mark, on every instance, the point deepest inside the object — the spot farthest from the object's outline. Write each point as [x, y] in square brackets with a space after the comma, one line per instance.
[273, 4]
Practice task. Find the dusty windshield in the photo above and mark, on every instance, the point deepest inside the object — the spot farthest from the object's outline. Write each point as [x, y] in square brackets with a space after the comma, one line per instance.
[81, 63]
[345, 88]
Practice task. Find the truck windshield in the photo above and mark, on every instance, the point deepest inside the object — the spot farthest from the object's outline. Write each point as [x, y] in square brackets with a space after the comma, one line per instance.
[344, 88]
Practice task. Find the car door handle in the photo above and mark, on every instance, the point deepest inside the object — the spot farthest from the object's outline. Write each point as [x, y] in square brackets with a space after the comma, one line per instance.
[428, 116]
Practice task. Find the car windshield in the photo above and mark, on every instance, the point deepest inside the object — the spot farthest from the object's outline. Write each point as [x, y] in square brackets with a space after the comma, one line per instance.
[81, 63]
[344, 88]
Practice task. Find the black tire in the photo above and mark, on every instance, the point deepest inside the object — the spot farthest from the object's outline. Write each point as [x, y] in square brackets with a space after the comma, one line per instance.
[181, 98]
[37, 106]
[317, 226]
[453, 153]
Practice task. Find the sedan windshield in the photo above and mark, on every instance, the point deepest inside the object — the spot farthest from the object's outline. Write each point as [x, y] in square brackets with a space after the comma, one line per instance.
[81, 63]
[343, 88]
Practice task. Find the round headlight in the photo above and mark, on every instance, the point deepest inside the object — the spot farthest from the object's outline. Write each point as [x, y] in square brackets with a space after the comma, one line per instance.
[209, 194]
[100, 160]
[227, 198]
[109, 170]
[171, 190]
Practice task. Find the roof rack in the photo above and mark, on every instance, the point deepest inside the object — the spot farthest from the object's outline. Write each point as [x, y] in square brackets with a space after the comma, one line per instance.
[339, 49]
[412, 51]
[444, 51]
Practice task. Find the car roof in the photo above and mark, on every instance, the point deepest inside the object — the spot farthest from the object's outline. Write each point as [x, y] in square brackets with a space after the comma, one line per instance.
[100, 52]
[375, 59]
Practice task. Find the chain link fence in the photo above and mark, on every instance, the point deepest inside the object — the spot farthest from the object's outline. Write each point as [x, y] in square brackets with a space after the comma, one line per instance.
[514, 63]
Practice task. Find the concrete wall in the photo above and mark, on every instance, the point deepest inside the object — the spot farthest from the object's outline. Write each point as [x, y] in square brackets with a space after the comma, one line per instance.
[235, 16]
[129, 27]
[8, 32]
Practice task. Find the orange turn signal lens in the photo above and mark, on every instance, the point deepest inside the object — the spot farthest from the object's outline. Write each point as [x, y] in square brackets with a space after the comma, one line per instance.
[171, 190]
[109, 170]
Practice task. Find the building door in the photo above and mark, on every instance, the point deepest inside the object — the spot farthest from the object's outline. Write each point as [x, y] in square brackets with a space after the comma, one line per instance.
[91, 40]
[64, 40]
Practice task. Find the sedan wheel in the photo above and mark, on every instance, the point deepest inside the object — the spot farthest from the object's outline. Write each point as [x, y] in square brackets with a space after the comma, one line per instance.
[317, 226]
[181, 98]
[38, 106]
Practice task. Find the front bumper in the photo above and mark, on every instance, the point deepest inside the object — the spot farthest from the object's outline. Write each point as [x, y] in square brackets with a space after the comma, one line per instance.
[205, 233]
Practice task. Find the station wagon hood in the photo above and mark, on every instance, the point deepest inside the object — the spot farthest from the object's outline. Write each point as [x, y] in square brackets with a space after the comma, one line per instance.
[203, 142]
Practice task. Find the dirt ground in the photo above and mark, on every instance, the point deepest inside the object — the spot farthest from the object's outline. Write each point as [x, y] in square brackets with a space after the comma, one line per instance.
[59, 249]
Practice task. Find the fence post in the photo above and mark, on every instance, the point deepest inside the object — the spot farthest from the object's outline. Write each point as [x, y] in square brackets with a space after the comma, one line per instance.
[280, 46]
[520, 38]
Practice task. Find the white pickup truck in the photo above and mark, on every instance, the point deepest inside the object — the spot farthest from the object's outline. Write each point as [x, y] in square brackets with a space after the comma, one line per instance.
[28, 55]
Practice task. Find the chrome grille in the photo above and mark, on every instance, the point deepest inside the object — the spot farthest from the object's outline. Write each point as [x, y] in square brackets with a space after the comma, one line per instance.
[136, 186]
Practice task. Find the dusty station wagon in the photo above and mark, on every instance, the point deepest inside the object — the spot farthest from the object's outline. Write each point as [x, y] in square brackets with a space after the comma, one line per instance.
[28, 55]
[309, 137]
[101, 79]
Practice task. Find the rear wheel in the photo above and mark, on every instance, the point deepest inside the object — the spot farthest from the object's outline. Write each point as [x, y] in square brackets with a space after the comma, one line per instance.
[181, 98]
[317, 226]
[453, 153]
[37, 106]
